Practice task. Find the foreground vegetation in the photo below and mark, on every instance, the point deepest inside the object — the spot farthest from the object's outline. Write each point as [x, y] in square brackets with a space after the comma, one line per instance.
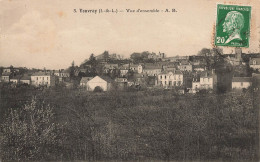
[62, 124]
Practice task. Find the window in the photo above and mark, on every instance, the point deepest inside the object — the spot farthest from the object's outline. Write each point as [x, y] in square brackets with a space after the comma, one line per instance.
[165, 77]
[47, 78]
[36, 78]
[161, 76]
[165, 82]
[254, 62]
[241, 84]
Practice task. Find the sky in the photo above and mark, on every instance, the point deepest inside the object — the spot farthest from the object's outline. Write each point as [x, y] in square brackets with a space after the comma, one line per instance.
[48, 33]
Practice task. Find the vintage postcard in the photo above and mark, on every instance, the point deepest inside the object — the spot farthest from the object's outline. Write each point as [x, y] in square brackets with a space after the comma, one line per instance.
[121, 80]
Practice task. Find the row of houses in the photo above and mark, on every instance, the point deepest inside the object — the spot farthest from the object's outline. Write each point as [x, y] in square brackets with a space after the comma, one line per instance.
[182, 72]
[166, 79]
[37, 79]
[40, 78]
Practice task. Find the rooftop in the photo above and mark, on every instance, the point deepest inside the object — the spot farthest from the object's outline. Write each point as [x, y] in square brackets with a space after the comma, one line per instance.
[206, 74]
[242, 79]
[16, 77]
[256, 59]
[41, 73]
[6, 74]
[107, 78]
[26, 77]
[85, 79]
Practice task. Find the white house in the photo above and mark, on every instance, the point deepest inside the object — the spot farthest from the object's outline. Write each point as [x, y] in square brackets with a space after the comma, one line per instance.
[207, 80]
[123, 71]
[25, 79]
[136, 68]
[6, 76]
[170, 79]
[84, 81]
[152, 70]
[100, 81]
[62, 73]
[185, 65]
[241, 82]
[15, 79]
[43, 79]
[255, 63]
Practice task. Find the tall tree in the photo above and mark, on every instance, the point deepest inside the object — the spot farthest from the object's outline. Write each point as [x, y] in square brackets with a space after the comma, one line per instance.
[106, 55]
[72, 70]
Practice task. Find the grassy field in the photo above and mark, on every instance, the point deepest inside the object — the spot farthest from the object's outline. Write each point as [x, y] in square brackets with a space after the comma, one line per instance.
[142, 125]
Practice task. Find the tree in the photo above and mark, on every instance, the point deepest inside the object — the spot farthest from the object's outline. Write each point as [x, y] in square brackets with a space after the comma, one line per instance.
[106, 55]
[93, 63]
[29, 133]
[72, 70]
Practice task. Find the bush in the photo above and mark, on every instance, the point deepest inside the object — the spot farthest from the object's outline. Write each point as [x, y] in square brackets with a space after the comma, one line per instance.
[29, 133]
[98, 89]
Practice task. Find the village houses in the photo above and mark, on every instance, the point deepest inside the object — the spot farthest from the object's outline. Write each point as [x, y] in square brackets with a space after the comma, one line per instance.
[136, 68]
[255, 63]
[185, 66]
[241, 82]
[103, 82]
[84, 81]
[25, 79]
[169, 79]
[123, 71]
[207, 80]
[15, 79]
[43, 79]
[6, 76]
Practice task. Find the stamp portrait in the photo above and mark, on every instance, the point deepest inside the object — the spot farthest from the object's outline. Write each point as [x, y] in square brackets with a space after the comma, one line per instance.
[233, 25]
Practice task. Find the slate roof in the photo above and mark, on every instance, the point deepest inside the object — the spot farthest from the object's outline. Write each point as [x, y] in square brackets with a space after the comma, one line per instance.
[206, 74]
[152, 67]
[242, 79]
[174, 72]
[123, 68]
[256, 59]
[121, 79]
[134, 65]
[16, 77]
[26, 77]
[85, 79]
[41, 73]
[6, 74]
[107, 78]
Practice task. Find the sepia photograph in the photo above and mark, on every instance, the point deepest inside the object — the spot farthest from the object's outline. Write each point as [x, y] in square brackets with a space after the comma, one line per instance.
[139, 80]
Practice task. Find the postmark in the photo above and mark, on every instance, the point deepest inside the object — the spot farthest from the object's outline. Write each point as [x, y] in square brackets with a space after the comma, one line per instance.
[233, 25]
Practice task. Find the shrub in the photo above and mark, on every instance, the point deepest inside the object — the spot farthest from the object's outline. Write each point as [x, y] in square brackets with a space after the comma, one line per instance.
[29, 133]
[98, 89]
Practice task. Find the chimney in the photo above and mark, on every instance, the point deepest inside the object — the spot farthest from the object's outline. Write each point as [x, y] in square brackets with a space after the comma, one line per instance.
[213, 71]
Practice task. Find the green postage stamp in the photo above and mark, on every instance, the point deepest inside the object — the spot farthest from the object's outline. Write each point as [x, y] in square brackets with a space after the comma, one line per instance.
[233, 25]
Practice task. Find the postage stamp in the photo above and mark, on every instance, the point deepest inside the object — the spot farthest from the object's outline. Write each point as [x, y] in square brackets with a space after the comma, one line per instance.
[233, 25]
